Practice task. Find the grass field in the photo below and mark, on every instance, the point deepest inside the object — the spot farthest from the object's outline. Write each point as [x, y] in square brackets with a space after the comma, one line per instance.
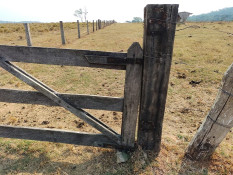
[202, 53]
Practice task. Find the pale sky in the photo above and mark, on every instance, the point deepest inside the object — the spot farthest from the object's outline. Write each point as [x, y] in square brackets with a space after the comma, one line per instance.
[119, 10]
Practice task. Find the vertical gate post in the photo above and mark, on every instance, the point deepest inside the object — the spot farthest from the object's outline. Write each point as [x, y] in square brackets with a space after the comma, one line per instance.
[159, 32]
[62, 33]
[131, 95]
[28, 34]
[78, 29]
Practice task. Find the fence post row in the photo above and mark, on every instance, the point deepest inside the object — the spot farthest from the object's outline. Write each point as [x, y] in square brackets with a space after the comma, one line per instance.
[62, 33]
[98, 26]
[28, 34]
[159, 32]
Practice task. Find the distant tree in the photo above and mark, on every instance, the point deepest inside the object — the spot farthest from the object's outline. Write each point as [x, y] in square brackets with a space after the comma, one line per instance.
[81, 14]
[128, 21]
[85, 14]
[136, 20]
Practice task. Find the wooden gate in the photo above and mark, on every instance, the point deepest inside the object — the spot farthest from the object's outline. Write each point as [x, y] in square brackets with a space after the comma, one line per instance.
[146, 81]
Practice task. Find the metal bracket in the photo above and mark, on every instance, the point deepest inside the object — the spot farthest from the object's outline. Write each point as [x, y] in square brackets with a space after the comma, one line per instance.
[93, 59]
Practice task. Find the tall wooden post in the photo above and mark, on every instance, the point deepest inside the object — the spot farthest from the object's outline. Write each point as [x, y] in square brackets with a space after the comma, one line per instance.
[93, 26]
[28, 34]
[159, 32]
[87, 28]
[217, 123]
[62, 33]
[79, 36]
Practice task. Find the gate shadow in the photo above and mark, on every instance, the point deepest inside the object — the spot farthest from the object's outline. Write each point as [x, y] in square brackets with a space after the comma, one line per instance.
[104, 164]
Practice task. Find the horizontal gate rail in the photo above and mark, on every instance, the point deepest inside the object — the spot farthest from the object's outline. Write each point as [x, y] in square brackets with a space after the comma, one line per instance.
[97, 124]
[76, 100]
[55, 135]
[67, 57]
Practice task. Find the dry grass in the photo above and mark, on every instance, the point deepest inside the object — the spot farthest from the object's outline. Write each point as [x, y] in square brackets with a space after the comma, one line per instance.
[201, 53]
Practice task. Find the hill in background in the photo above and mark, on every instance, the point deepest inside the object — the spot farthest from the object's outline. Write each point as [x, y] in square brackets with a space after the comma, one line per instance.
[225, 14]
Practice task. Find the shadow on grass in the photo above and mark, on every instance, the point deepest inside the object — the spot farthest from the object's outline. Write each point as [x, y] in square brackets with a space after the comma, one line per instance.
[104, 164]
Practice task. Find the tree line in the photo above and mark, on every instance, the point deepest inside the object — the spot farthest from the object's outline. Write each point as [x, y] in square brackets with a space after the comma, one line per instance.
[225, 14]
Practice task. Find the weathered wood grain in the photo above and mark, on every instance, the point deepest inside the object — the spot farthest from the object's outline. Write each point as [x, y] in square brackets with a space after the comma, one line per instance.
[217, 123]
[58, 136]
[159, 32]
[132, 94]
[63, 40]
[36, 84]
[28, 34]
[76, 100]
[69, 57]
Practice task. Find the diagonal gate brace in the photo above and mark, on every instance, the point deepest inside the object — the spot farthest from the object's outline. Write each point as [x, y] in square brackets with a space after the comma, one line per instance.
[51, 94]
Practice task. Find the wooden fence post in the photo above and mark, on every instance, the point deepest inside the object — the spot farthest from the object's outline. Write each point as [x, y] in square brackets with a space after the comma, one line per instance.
[217, 124]
[131, 95]
[87, 28]
[28, 34]
[79, 36]
[96, 25]
[159, 32]
[93, 26]
[62, 33]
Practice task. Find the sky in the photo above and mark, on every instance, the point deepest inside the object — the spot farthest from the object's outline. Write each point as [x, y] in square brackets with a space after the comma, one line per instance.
[119, 10]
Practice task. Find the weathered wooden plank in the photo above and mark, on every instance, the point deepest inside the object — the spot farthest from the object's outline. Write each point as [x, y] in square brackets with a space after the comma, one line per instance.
[159, 32]
[36, 84]
[132, 94]
[63, 40]
[58, 136]
[76, 100]
[69, 57]
[217, 123]
[28, 34]
[79, 35]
